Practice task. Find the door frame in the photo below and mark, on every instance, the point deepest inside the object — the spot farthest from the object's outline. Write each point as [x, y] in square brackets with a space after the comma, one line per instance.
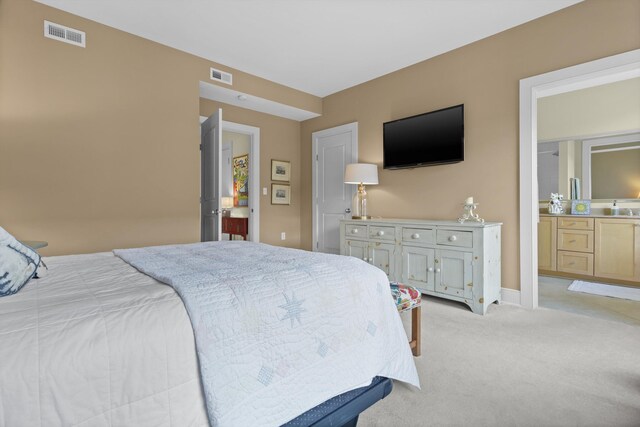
[254, 172]
[349, 127]
[606, 70]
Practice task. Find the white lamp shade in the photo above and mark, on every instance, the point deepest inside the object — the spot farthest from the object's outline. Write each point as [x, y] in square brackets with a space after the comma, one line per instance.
[361, 173]
[226, 202]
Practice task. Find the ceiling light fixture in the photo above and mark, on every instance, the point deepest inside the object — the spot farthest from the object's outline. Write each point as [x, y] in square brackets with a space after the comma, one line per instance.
[242, 97]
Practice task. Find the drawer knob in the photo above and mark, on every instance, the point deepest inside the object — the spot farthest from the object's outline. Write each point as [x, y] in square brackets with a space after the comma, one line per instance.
[380, 233]
[430, 269]
[437, 270]
[572, 241]
[415, 236]
[572, 263]
[354, 231]
[453, 238]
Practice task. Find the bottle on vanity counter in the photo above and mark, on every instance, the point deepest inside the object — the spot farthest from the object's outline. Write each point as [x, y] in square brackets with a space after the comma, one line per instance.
[615, 210]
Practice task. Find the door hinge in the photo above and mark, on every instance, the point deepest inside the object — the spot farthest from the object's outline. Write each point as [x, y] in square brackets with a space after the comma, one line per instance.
[317, 245]
[200, 147]
[317, 158]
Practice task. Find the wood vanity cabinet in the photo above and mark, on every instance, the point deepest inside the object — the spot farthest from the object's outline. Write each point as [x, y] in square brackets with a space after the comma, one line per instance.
[617, 253]
[441, 258]
[547, 243]
[590, 248]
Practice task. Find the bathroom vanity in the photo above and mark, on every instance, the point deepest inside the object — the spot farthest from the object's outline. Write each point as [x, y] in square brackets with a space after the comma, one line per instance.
[595, 247]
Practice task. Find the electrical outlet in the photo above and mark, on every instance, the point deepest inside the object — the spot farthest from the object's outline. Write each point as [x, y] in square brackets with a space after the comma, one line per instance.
[283, 235]
[264, 191]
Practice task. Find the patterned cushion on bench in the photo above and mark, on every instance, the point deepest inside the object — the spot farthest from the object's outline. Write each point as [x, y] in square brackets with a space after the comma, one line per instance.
[406, 297]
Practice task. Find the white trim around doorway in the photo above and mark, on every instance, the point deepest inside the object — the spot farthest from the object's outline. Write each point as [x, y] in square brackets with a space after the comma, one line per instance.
[606, 70]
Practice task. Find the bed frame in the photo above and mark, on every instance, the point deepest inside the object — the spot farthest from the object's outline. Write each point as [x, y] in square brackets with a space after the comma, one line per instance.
[344, 409]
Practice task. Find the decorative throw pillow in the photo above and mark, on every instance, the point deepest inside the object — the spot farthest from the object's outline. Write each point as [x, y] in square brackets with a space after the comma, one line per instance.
[18, 264]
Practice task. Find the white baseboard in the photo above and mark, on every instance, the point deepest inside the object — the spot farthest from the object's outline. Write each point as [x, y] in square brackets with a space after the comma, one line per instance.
[510, 296]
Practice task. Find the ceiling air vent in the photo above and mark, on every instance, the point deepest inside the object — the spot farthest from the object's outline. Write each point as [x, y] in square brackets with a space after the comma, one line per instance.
[221, 76]
[64, 34]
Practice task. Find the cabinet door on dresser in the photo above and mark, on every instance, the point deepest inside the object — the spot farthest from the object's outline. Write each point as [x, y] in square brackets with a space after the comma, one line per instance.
[617, 248]
[357, 248]
[382, 255]
[547, 243]
[454, 273]
[418, 267]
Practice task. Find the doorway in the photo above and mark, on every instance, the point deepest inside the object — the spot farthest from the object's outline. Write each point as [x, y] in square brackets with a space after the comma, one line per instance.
[595, 73]
[232, 170]
[332, 150]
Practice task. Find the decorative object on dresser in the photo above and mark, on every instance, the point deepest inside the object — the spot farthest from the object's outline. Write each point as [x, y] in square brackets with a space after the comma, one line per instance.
[280, 194]
[580, 207]
[235, 226]
[226, 203]
[602, 248]
[280, 170]
[361, 174]
[555, 204]
[446, 259]
[469, 212]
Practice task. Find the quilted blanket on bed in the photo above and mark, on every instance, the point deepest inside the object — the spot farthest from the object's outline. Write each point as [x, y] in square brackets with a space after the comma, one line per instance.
[278, 330]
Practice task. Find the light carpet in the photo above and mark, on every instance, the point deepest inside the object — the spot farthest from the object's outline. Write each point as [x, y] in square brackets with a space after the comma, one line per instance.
[515, 367]
[613, 291]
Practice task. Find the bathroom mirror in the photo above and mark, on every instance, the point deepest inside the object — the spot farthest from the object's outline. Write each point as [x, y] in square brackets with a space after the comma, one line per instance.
[589, 140]
[608, 168]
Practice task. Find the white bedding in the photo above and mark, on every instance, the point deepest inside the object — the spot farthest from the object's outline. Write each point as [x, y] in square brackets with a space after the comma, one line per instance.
[96, 343]
[279, 330]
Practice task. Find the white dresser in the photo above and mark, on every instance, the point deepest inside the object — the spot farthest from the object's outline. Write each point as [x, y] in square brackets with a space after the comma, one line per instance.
[441, 258]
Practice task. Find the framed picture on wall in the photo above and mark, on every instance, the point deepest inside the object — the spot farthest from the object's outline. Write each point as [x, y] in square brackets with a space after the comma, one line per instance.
[241, 181]
[280, 170]
[280, 194]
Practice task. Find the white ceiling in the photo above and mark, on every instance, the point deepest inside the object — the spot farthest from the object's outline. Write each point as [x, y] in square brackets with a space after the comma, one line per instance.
[317, 46]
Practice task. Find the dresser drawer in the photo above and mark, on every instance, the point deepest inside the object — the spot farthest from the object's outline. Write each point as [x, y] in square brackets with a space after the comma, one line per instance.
[382, 233]
[575, 223]
[356, 230]
[575, 240]
[575, 262]
[455, 238]
[418, 235]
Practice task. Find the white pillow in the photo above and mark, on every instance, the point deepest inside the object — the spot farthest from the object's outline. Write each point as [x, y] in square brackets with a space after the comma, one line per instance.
[18, 264]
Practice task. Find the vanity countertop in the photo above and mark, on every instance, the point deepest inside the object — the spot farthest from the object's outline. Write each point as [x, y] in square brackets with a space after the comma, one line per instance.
[621, 216]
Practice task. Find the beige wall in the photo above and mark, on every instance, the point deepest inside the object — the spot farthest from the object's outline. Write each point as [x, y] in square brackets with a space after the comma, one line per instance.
[600, 110]
[99, 146]
[485, 77]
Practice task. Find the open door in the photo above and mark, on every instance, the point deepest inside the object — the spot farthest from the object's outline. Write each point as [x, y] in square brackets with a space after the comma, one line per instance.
[210, 155]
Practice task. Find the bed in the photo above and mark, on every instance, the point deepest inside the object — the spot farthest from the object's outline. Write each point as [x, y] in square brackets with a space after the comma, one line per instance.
[96, 342]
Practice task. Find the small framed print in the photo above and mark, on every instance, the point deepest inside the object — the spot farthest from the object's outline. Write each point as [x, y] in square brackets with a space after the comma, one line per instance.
[280, 170]
[580, 207]
[280, 194]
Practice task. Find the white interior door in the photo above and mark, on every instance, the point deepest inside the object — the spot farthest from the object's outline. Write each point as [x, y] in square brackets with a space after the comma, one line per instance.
[332, 149]
[210, 185]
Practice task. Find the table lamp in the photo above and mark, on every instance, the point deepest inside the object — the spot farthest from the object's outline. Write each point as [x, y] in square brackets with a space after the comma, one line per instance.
[361, 174]
[226, 203]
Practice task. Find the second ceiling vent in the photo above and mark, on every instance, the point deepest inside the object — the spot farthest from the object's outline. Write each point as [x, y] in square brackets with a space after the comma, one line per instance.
[64, 34]
[221, 76]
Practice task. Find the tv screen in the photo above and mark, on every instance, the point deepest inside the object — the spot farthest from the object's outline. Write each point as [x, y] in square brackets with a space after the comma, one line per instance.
[427, 139]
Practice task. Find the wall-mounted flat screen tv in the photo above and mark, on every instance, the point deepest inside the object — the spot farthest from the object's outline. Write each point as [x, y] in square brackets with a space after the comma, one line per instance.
[433, 138]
